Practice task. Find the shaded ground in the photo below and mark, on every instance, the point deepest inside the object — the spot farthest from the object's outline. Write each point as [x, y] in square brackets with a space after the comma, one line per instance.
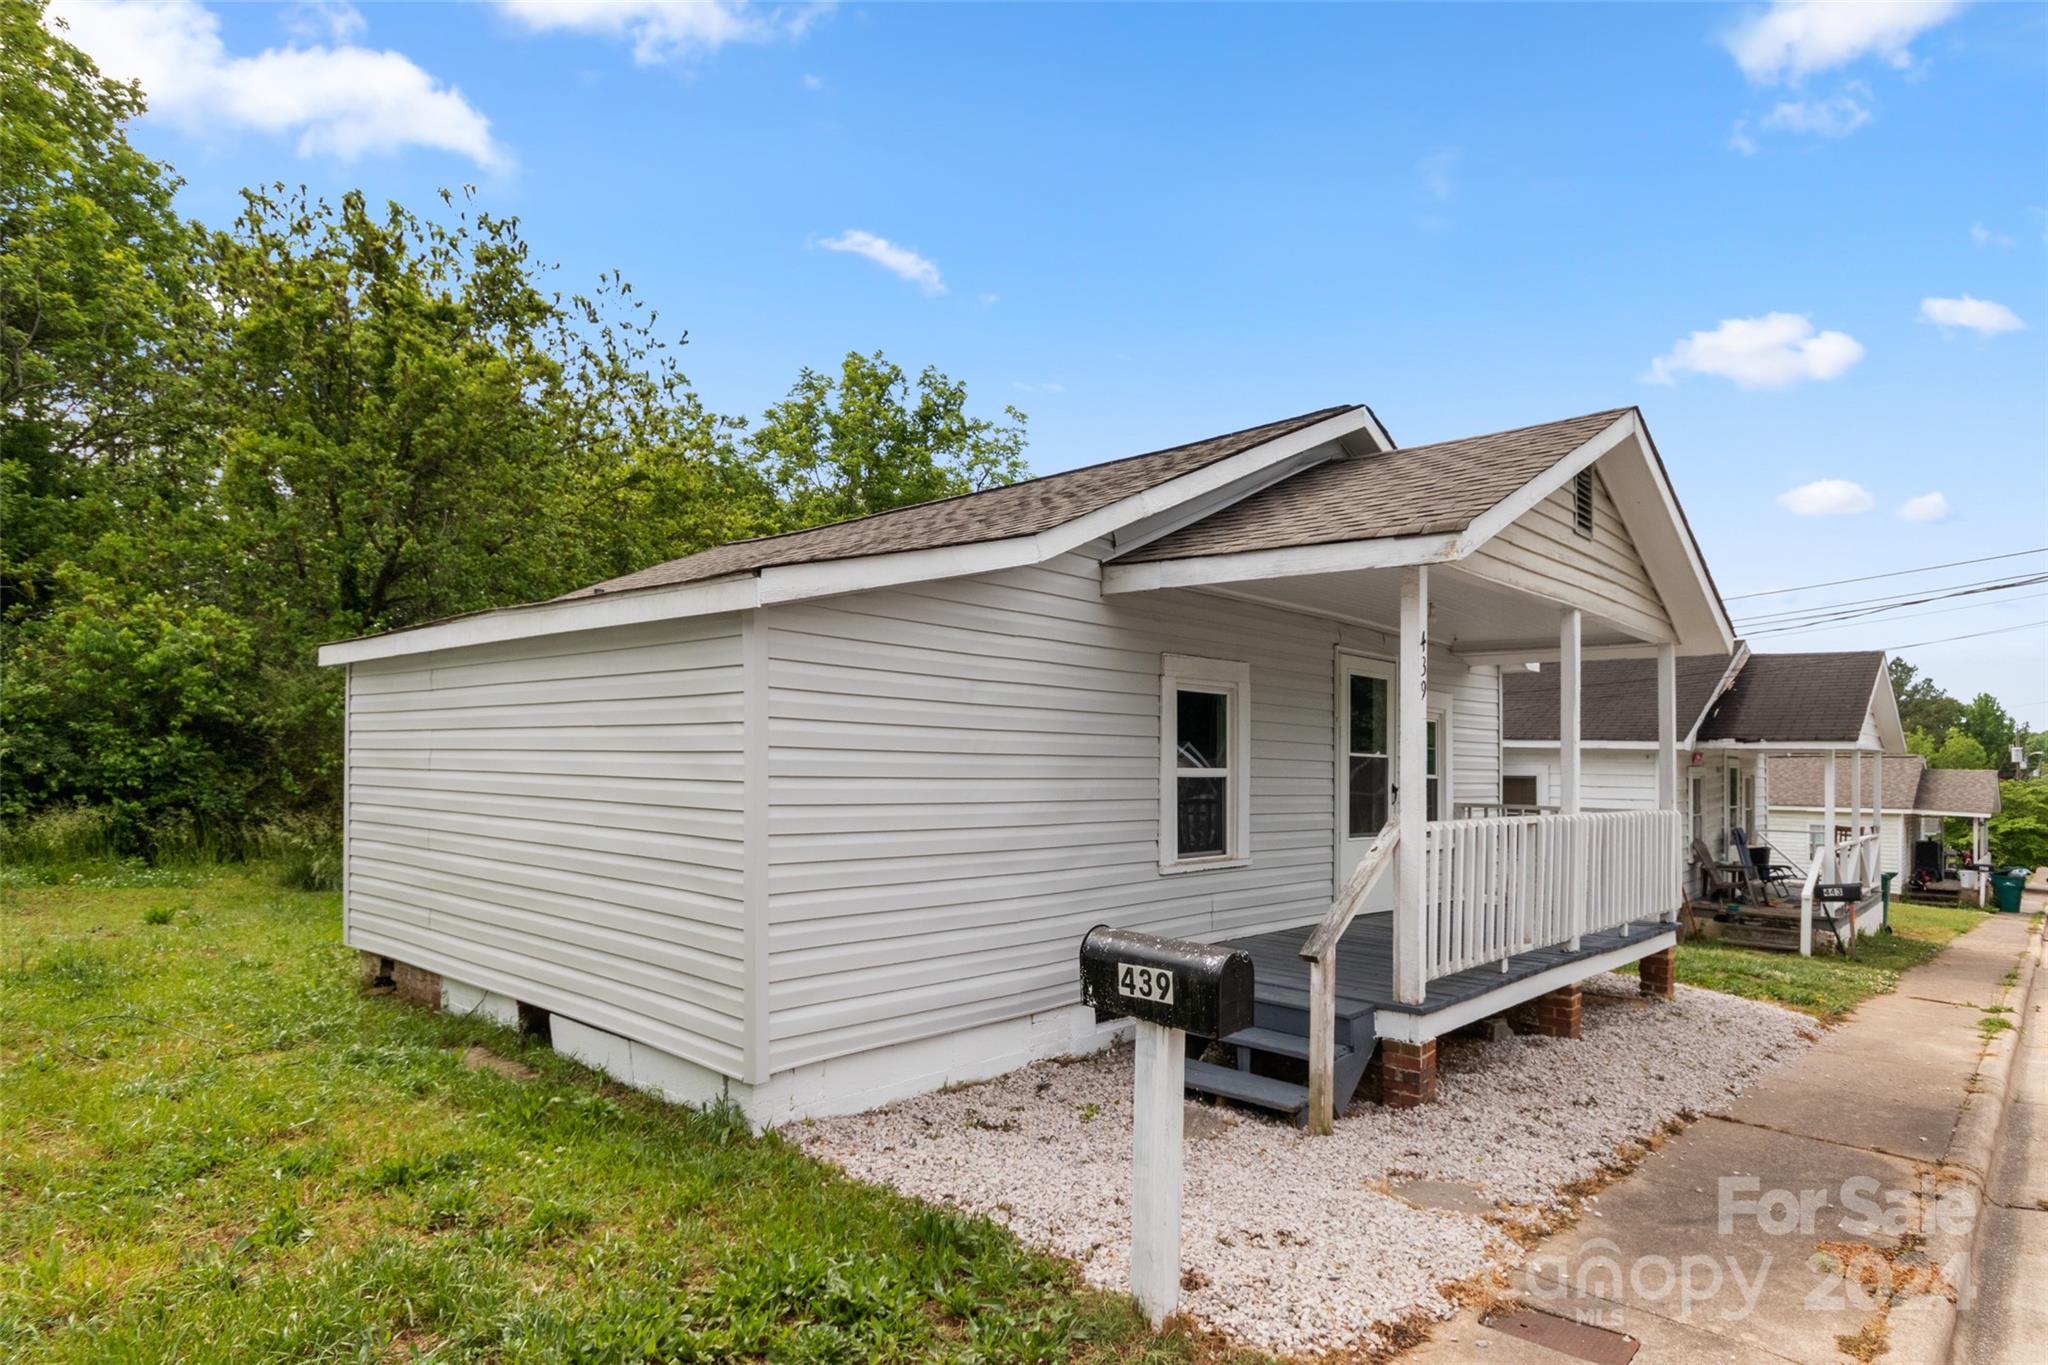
[212, 1147]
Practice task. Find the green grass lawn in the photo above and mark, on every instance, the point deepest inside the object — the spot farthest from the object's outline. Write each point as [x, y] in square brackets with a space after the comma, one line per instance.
[1826, 986]
[214, 1147]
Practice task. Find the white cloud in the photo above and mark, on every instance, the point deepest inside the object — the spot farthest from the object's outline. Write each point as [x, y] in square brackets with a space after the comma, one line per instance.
[1979, 315]
[664, 30]
[1767, 352]
[900, 261]
[1436, 171]
[1927, 507]
[1740, 140]
[1827, 498]
[813, 82]
[1837, 116]
[345, 100]
[334, 20]
[1026, 386]
[1796, 38]
[1984, 236]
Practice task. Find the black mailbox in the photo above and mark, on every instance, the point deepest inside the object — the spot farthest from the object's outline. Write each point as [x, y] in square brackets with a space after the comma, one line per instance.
[1839, 891]
[1191, 986]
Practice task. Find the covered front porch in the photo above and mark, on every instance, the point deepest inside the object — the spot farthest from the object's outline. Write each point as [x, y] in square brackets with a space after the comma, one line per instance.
[1434, 922]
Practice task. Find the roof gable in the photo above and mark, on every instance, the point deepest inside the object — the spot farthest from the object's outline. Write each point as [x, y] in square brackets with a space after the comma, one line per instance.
[1412, 491]
[1822, 698]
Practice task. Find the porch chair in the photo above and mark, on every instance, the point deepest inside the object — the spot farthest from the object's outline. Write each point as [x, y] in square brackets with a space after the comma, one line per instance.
[1771, 878]
[1724, 881]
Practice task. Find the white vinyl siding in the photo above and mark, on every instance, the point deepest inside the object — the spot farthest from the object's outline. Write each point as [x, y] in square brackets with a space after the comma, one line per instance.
[1790, 835]
[1542, 551]
[559, 820]
[964, 777]
[1609, 779]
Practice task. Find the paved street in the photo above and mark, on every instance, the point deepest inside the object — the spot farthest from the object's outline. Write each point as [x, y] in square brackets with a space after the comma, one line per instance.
[1833, 1212]
[2007, 1321]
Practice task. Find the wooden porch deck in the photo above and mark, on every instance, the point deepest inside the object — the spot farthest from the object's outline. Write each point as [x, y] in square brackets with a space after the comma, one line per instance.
[1365, 967]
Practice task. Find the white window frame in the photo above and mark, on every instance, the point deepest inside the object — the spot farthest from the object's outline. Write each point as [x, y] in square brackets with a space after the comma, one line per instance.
[1233, 680]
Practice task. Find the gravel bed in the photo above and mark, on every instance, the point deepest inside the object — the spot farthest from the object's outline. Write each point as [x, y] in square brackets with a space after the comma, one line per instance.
[1298, 1245]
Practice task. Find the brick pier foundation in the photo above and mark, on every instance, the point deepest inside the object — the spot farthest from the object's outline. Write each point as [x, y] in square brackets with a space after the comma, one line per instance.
[1407, 1073]
[1659, 974]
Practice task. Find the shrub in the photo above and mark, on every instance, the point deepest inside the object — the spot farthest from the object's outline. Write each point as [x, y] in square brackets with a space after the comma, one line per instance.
[60, 836]
[304, 852]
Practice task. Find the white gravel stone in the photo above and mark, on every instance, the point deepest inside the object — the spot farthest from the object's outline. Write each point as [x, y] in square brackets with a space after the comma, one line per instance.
[1293, 1243]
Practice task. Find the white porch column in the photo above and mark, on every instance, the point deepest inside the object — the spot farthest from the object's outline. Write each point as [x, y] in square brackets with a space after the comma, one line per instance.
[1877, 811]
[1855, 794]
[1411, 785]
[1826, 854]
[1667, 727]
[1667, 763]
[1980, 851]
[1570, 628]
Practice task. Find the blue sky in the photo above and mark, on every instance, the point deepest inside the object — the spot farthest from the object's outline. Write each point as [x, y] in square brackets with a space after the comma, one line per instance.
[1810, 241]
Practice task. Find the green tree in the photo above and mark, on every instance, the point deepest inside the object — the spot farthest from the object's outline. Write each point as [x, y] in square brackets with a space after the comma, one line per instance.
[96, 281]
[1984, 720]
[142, 703]
[868, 442]
[1921, 743]
[2019, 832]
[1960, 750]
[1922, 705]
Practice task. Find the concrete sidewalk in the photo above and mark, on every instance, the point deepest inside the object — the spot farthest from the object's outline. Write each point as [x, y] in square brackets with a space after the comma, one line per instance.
[1829, 1215]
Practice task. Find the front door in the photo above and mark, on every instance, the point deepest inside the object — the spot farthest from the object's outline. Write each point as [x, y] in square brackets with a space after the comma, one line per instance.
[1368, 723]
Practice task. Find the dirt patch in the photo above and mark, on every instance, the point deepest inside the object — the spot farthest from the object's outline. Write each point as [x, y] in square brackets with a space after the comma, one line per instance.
[483, 1059]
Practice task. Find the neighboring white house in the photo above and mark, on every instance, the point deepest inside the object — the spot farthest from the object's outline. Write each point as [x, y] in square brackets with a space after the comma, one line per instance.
[1747, 715]
[818, 820]
[1917, 799]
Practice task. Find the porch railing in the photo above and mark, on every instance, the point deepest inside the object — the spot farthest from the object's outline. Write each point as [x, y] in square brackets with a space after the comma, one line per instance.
[1495, 887]
[1504, 885]
[1852, 861]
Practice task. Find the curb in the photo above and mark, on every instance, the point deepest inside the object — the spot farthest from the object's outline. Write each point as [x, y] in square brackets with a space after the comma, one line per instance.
[1975, 1144]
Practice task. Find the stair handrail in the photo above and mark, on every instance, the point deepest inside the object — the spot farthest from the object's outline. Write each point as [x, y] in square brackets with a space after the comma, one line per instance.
[1322, 940]
[1320, 948]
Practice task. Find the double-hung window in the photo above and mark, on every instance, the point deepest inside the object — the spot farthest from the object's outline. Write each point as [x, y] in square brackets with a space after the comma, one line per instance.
[1205, 763]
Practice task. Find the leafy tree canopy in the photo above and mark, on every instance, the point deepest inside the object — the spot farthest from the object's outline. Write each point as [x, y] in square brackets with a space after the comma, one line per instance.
[2019, 832]
[869, 441]
[224, 447]
[1960, 750]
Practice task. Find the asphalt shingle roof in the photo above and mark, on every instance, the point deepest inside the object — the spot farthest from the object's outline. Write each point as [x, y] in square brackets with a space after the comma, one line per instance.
[1798, 780]
[1617, 698]
[1909, 785]
[1960, 791]
[1417, 490]
[1018, 509]
[1797, 698]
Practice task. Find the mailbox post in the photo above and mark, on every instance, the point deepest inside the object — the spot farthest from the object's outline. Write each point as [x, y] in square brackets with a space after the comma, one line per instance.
[1170, 988]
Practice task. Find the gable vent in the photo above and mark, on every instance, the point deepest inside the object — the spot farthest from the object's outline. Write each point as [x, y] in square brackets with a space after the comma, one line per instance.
[1582, 503]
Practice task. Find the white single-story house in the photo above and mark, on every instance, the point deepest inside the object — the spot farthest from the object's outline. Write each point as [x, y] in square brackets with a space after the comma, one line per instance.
[1917, 799]
[1746, 713]
[819, 820]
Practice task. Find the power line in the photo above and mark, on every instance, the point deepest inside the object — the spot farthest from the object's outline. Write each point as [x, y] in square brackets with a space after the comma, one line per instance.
[1843, 625]
[1822, 615]
[1907, 598]
[2002, 630]
[1872, 577]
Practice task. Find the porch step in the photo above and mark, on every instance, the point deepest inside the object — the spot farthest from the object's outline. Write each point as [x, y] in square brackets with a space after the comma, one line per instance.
[1278, 1043]
[1282, 1097]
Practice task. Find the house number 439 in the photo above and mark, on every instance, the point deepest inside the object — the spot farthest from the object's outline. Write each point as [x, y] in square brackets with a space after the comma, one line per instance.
[1136, 982]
